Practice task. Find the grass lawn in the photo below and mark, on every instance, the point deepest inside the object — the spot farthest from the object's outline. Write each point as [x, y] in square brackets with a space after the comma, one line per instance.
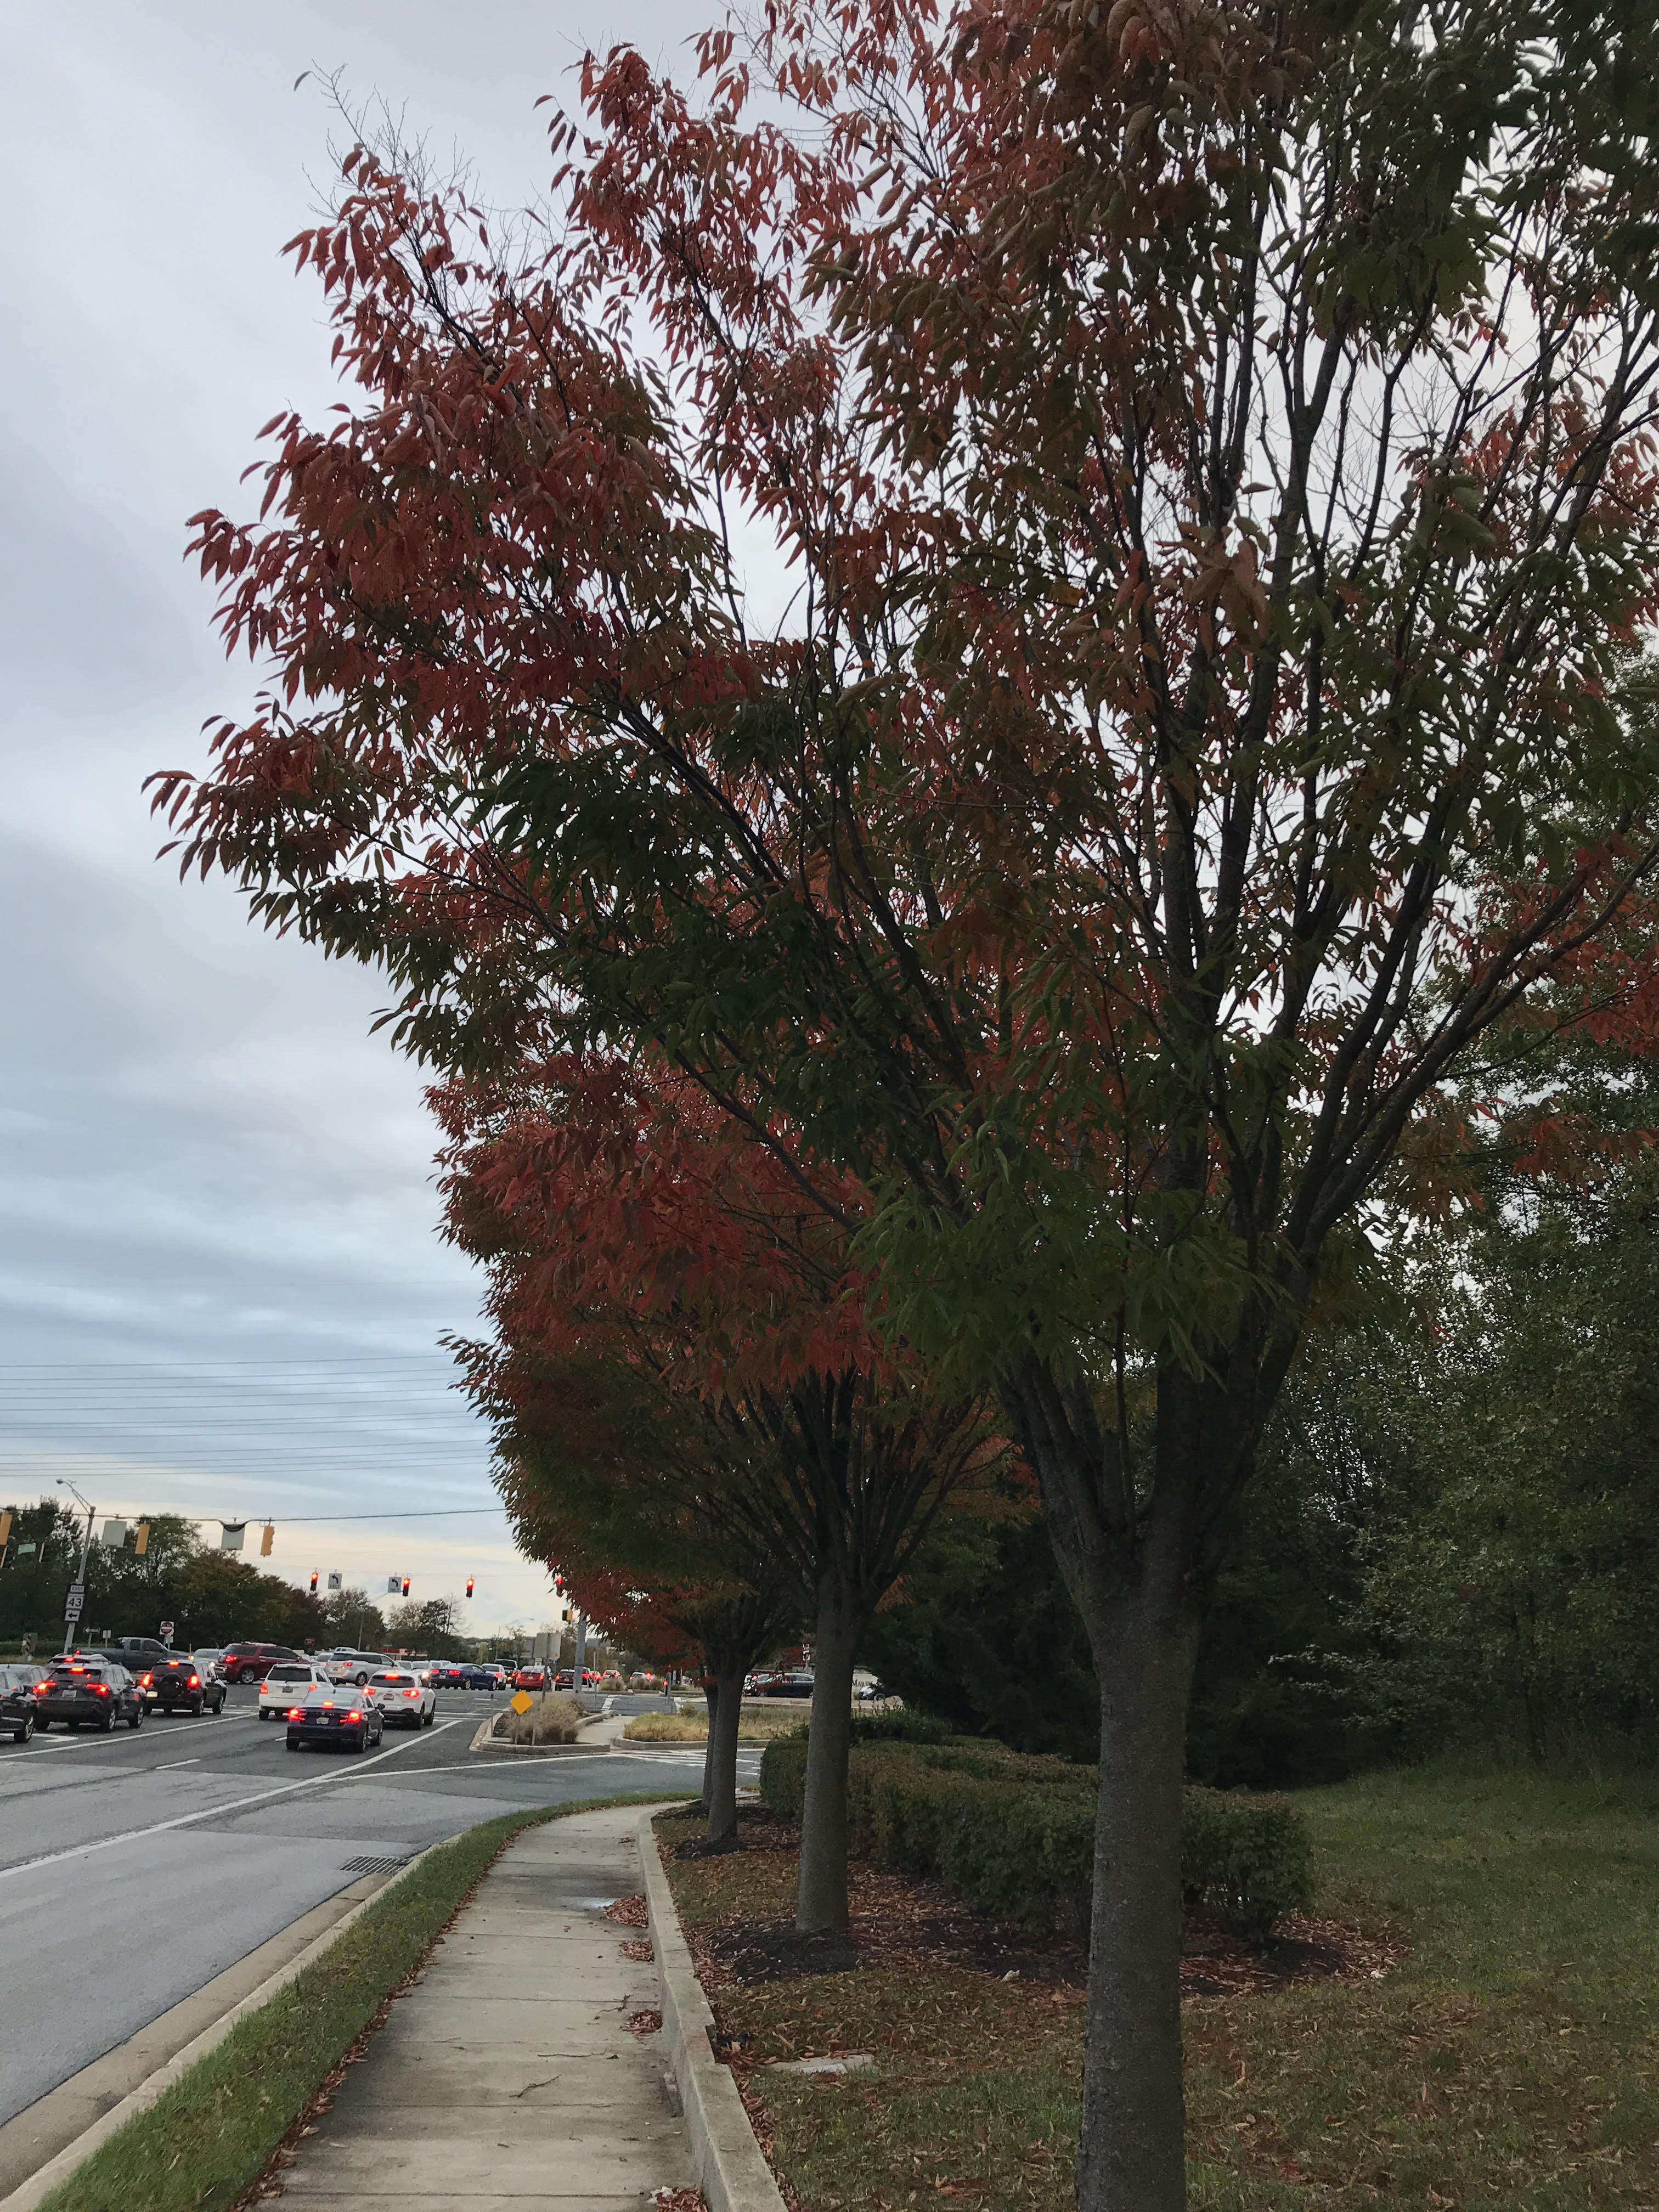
[200, 2146]
[1511, 2058]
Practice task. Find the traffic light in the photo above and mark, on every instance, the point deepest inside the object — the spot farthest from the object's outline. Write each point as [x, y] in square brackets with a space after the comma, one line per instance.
[469, 1585]
[313, 1585]
[266, 1540]
[141, 1541]
[405, 1585]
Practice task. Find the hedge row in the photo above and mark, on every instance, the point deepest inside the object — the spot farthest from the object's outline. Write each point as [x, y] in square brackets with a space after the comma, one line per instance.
[1014, 1836]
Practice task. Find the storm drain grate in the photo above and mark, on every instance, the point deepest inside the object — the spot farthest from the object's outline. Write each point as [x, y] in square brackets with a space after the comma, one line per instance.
[370, 1864]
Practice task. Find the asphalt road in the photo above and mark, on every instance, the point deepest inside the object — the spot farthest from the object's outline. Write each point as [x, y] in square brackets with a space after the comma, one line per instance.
[135, 1867]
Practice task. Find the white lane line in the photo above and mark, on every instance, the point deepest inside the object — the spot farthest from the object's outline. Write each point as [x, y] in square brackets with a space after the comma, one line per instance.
[213, 1812]
[111, 1742]
[173, 1764]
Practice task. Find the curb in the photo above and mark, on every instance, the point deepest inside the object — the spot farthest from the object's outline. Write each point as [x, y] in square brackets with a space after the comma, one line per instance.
[730, 2167]
[40, 2185]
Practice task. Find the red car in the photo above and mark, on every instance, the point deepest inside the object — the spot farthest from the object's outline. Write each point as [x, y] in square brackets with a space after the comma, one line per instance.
[531, 1678]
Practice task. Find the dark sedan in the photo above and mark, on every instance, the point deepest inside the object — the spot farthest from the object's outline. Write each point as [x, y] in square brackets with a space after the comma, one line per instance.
[179, 1683]
[89, 1694]
[329, 1715]
[17, 1699]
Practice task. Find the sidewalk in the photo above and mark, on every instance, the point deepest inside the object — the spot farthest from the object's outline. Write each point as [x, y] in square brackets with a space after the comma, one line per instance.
[508, 2076]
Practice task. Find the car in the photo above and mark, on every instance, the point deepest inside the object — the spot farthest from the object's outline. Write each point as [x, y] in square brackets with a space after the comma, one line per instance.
[180, 1682]
[323, 1715]
[251, 1663]
[446, 1674]
[89, 1694]
[484, 1678]
[283, 1685]
[531, 1678]
[796, 1682]
[19, 1682]
[348, 1666]
[404, 1697]
[210, 1655]
[864, 1692]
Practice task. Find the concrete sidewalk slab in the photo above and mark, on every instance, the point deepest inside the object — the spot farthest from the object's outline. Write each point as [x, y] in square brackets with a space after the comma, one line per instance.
[508, 2076]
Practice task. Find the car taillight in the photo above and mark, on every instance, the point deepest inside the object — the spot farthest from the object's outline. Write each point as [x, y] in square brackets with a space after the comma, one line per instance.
[101, 1689]
[143, 1681]
[194, 1683]
[40, 1689]
[354, 1716]
[293, 1712]
[412, 1693]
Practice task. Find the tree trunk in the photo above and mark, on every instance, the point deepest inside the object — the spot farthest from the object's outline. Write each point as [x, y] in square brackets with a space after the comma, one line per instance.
[711, 1693]
[1131, 2155]
[821, 1891]
[720, 1767]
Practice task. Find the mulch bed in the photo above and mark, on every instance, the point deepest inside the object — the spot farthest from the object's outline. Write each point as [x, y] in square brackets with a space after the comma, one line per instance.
[898, 1923]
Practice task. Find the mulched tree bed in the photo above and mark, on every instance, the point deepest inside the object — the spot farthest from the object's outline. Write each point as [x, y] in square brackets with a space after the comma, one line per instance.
[899, 1922]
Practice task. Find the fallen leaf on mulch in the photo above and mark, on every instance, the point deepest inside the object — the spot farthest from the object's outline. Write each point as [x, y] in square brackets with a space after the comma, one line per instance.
[628, 1912]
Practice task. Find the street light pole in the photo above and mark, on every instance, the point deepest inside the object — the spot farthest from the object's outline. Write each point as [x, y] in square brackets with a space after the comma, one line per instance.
[69, 1626]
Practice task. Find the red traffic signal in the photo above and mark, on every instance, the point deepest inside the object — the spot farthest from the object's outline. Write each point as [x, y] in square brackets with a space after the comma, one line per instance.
[313, 1585]
[469, 1585]
[405, 1585]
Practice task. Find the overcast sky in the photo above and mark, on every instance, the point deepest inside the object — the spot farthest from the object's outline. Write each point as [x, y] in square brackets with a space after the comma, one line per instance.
[221, 1285]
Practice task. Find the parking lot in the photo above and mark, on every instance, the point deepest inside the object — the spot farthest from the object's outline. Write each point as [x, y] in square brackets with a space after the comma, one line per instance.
[136, 1866]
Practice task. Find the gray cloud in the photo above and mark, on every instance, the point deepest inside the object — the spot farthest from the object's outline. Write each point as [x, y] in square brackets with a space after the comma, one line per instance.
[208, 1166]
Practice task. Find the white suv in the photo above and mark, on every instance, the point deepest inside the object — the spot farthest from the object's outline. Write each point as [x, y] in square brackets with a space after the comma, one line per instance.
[352, 1666]
[286, 1684]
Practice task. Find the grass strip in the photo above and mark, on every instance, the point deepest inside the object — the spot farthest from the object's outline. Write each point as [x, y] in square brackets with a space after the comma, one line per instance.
[201, 2146]
[1510, 2058]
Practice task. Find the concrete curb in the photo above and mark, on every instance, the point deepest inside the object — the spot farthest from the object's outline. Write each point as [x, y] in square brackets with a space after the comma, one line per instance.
[730, 2166]
[40, 2185]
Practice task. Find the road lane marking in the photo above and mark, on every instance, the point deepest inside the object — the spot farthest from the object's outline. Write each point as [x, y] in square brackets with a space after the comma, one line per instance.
[214, 1811]
[23, 1755]
[172, 1765]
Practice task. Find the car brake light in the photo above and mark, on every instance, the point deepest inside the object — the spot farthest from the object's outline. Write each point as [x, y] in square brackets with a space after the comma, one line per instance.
[293, 1712]
[101, 1689]
[143, 1681]
[194, 1683]
[412, 1693]
[354, 1716]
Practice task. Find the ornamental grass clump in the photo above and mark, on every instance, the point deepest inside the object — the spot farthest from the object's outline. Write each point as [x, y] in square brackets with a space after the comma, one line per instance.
[552, 1719]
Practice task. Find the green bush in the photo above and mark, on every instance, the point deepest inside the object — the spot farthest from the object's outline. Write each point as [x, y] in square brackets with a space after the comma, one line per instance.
[1013, 1835]
[1246, 1858]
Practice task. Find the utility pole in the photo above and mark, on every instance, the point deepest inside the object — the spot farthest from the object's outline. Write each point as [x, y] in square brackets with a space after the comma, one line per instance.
[581, 1655]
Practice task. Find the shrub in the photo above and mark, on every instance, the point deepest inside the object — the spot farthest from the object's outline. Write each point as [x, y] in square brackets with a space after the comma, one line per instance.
[1246, 1858]
[1013, 1835]
[783, 1774]
[552, 1719]
[901, 1724]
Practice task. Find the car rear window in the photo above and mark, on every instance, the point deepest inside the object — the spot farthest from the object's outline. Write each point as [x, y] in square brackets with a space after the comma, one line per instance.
[289, 1675]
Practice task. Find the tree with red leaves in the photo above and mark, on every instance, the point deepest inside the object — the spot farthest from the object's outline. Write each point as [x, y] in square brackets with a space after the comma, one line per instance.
[1215, 453]
[684, 1370]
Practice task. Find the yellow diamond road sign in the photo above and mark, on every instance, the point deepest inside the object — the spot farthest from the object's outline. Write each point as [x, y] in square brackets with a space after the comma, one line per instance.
[523, 1702]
